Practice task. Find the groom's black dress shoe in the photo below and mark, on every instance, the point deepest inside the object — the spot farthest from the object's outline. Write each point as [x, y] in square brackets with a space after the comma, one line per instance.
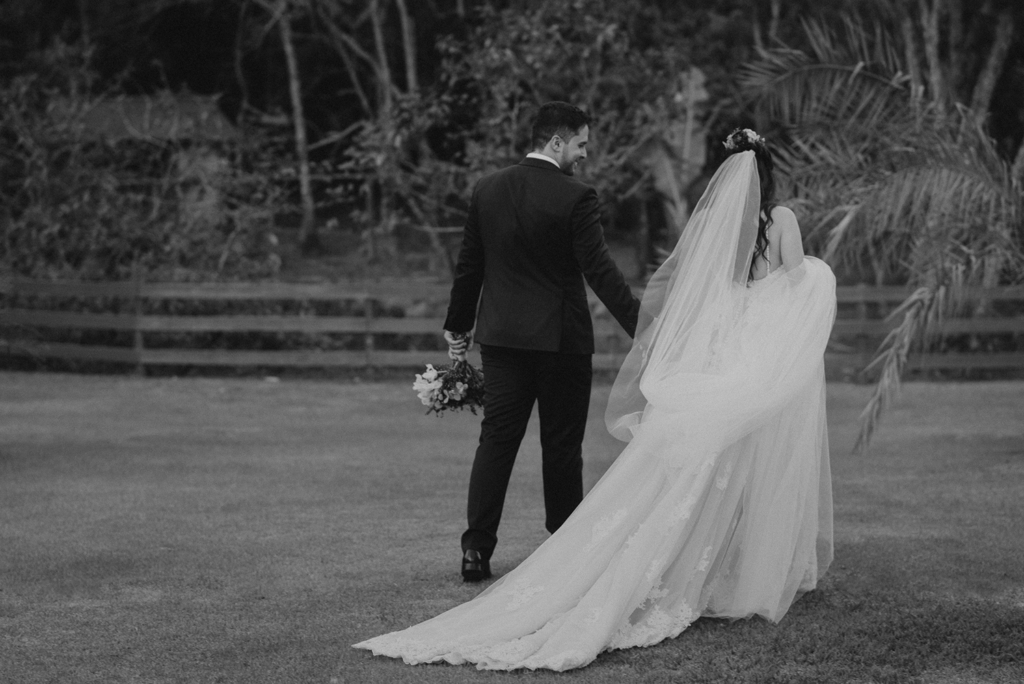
[474, 566]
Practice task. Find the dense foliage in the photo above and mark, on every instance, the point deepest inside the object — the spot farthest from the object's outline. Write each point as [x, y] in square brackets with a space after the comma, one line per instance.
[424, 157]
[77, 205]
[394, 109]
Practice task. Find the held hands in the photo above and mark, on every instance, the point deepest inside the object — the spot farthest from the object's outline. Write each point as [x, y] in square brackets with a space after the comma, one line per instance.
[459, 344]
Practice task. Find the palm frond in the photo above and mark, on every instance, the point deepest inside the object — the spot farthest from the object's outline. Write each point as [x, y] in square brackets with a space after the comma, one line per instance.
[856, 41]
[939, 183]
[837, 233]
[789, 90]
[892, 360]
[914, 193]
[848, 76]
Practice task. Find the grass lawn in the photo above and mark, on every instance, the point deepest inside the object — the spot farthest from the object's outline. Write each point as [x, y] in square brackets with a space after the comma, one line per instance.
[212, 530]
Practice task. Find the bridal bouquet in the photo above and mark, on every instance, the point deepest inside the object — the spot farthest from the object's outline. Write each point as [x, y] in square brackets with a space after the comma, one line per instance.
[450, 387]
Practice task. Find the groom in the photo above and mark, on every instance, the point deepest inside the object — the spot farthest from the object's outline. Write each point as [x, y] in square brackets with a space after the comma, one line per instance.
[532, 235]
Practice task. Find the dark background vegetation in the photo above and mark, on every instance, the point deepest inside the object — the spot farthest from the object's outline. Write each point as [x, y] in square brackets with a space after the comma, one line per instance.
[402, 105]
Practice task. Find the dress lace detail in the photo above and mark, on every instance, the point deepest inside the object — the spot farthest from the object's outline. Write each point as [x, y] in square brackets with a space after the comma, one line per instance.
[604, 527]
[723, 480]
[654, 570]
[656, 625]
[520, 593]
[705, 559]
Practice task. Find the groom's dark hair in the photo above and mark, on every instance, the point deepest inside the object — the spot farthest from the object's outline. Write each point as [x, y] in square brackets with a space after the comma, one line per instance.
[557, 118]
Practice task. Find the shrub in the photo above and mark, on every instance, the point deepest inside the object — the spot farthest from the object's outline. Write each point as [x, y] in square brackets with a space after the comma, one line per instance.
[75, 205]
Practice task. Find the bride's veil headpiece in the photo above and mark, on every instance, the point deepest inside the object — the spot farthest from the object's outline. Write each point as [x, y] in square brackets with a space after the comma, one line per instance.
[692, 289]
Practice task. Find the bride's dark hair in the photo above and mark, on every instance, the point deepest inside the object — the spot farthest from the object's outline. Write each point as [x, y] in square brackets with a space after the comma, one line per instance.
[741, 140]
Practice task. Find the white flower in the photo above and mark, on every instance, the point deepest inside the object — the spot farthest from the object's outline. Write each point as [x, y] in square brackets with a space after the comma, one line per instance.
[423, 383]
[426, 386]
[749, 136]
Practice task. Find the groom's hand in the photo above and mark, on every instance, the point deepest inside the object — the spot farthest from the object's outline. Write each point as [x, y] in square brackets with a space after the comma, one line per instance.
[459, 344]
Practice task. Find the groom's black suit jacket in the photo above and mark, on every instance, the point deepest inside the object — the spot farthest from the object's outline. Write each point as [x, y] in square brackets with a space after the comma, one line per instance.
[533, 234]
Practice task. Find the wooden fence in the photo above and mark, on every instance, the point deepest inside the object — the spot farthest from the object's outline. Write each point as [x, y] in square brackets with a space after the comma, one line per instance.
[858, 330]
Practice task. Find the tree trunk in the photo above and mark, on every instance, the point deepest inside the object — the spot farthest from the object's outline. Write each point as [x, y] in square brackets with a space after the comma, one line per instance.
[83, 21]
[913, 66]
[955, 45]
[350, 51]
[386, 123]
[1018, 167]
[307, 235]
[408, 46]
[756, 28]
[773, 27]
[986, 83]
[353, 76]
[243, 85]
[384, 83]
[930, 22]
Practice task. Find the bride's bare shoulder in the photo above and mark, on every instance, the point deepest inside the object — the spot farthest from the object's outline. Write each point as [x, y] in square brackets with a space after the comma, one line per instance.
[785, 232]
[784, 217]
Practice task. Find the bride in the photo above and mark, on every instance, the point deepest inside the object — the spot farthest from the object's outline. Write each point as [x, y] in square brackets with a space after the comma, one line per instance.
[721, 503]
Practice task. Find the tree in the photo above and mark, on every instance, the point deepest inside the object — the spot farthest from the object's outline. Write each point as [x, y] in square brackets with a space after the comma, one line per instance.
[593, 53]
[383, 141]
[895, 171]
[282, 14]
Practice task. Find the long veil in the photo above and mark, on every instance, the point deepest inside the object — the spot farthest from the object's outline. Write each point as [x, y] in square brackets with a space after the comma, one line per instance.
[710, 259]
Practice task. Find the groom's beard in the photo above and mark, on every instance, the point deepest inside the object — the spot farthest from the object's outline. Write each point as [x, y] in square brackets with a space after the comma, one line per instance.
[569, 168]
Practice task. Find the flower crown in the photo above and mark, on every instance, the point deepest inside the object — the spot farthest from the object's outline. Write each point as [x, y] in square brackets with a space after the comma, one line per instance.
[743, 138]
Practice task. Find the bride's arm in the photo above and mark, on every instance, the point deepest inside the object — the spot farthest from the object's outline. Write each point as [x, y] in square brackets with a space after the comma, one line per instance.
[791, 247]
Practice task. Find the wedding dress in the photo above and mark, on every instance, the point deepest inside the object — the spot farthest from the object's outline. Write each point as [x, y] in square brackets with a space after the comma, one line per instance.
[720, 504]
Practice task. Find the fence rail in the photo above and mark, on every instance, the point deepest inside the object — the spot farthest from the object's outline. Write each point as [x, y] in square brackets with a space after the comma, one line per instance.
[864, 327]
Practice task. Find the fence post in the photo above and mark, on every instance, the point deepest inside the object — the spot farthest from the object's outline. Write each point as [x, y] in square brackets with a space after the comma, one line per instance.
[368, 317]
[862, 301]
[137, 344]
[863, 340]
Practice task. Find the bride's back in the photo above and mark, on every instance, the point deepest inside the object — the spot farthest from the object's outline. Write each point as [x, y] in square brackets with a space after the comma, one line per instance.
[785, 247]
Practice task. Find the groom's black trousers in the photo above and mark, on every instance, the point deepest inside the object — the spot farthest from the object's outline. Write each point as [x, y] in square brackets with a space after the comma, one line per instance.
[515, 379]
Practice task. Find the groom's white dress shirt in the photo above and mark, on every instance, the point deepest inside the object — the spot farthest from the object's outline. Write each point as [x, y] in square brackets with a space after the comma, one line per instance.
[538, 155]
